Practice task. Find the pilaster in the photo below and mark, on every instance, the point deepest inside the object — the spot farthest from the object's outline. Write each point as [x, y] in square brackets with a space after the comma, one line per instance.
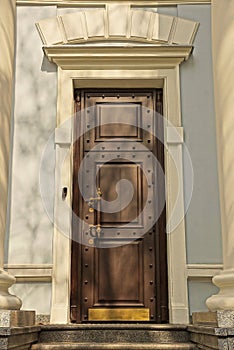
[223, 63]
[7, 39]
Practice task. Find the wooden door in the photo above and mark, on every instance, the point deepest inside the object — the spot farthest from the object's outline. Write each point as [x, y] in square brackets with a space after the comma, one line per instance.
[119, 273]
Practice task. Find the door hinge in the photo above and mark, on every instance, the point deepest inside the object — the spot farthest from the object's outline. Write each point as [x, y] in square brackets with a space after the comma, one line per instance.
[164, 313]
[153, 179]
[73, 313]
[77, 96]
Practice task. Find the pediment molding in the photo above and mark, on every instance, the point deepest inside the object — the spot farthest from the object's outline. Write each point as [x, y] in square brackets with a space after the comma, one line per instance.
[117, 22]
[119, 57]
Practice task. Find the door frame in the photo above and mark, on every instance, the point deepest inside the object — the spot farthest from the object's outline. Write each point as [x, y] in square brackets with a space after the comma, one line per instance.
[143, 77]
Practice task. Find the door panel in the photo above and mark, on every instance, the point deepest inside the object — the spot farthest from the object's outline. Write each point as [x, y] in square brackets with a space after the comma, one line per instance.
[126, 115]
[118, 274]
[124, 261]
[119, 112]
[109, 176]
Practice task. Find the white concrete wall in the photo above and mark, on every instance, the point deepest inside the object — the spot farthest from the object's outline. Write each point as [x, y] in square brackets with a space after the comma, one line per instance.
[30, 231]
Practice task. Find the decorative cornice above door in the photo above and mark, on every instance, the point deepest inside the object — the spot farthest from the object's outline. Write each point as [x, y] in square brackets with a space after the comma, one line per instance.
[117, 57]
[117, 23]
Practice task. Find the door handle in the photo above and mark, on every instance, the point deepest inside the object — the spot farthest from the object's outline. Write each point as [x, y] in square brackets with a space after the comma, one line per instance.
[92, 200]
[95, 230]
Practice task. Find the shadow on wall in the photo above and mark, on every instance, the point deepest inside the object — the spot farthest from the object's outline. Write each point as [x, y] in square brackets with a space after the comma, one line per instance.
[47, 66]
[29, 240]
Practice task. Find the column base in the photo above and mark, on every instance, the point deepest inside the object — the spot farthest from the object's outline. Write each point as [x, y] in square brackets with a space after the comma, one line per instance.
[224, 300]
[212, 330]
[17, 318]
[7, 300]
[17, 329]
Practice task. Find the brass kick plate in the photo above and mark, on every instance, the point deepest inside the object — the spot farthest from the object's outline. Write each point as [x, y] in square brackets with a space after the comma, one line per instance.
[119, 314]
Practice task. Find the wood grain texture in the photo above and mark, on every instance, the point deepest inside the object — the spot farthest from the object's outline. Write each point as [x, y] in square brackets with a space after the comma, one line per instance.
[130, 276]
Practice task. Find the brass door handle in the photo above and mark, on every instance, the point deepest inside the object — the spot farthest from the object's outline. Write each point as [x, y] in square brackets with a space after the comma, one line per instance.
[95, 231]
[91, 200]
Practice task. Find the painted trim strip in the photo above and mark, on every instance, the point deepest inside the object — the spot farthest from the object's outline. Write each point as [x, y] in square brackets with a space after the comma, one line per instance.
[81, 3]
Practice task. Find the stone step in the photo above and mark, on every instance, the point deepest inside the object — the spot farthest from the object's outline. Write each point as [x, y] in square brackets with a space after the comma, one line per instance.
[112, 346]
[114, 333]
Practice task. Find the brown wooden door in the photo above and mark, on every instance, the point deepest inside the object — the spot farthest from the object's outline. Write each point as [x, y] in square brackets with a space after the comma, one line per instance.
[118, 273]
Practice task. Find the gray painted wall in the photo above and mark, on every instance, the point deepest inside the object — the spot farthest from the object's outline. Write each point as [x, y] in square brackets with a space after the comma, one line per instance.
[170, 11]
[198, 291]
[203, 228]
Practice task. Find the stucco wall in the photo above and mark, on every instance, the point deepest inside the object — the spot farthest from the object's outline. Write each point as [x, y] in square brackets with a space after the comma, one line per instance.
[203, 226]
[30, 233]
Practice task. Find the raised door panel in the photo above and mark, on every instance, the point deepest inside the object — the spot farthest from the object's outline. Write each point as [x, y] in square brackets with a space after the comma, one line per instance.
[110, 117]
[109, 176]
[125, 261]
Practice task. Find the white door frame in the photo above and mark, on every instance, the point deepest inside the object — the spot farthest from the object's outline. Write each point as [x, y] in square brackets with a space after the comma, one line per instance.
[164, 73]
